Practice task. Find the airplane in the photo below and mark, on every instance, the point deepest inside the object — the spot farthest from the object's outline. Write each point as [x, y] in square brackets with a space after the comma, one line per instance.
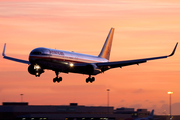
[150, 117]
[70, 62]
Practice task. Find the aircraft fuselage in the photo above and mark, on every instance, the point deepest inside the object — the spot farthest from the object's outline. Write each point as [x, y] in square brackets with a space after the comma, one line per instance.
[63, 61]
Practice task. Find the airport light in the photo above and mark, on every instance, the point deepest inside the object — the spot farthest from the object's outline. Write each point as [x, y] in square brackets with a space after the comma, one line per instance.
[170, 103]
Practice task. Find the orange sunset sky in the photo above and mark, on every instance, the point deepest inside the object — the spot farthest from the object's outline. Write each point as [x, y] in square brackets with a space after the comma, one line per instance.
[143, 28]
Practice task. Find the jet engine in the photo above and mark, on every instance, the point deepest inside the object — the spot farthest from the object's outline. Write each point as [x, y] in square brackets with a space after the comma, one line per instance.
[91, 69]
[35, 70]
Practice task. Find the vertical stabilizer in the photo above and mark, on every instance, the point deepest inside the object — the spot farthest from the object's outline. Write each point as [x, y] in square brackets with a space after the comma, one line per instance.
[151, 115]
[105, 52]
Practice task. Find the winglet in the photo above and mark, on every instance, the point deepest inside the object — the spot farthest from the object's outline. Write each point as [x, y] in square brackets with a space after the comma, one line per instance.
[3, 54]
[173, 50]
[13, 59]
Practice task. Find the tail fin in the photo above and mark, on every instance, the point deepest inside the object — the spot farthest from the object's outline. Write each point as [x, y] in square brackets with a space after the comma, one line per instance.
[105, 52]
[151, 114]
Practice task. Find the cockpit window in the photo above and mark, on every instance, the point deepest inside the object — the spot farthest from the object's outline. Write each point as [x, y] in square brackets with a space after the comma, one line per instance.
[39, 51]
[36, 53]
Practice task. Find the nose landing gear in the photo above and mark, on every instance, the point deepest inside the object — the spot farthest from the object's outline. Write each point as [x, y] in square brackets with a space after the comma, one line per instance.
[37, 74]
[35, 70]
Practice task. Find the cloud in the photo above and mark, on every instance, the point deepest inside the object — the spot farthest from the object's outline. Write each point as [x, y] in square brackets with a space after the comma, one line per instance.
[163, 110]
[122, 100]
[162, 101]
[136, 106]
[138, 91]
[175, 108]
[164, 106]
[81, 8]
[80, 88]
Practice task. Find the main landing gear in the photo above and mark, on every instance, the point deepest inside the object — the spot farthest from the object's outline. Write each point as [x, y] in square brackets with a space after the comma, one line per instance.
[59, 79]
[56, 79]
[89, 79]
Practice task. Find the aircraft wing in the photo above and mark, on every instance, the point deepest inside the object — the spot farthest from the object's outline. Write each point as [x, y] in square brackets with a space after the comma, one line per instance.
[13, 59]
[109, 65]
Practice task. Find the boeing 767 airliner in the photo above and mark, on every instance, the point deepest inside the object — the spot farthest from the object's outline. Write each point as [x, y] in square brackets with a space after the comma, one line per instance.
[63, 61]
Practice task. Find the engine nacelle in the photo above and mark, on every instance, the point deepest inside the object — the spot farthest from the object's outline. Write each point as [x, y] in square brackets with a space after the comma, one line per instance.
[35, 70]
[91, 69]
[31, 70]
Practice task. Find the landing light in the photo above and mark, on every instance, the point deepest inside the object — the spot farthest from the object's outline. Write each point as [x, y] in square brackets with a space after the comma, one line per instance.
[37, 67]
[71, 64]
[37, 73]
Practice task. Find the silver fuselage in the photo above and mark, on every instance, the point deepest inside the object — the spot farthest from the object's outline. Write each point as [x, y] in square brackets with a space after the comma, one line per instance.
[62, 60]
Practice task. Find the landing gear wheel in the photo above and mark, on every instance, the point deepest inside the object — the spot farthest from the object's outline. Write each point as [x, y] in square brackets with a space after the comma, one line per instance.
[56, 79]
[59, 79]
[92, 79]
[89, 79]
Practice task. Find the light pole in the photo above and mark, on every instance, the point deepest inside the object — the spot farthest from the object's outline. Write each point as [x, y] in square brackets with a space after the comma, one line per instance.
[21, 97]
[108, 101]
[170, 103]
[108, 97]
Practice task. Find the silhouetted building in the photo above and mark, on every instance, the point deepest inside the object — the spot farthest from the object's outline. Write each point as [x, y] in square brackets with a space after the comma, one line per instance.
[23, 111]
[127, 111]
[15, 103]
